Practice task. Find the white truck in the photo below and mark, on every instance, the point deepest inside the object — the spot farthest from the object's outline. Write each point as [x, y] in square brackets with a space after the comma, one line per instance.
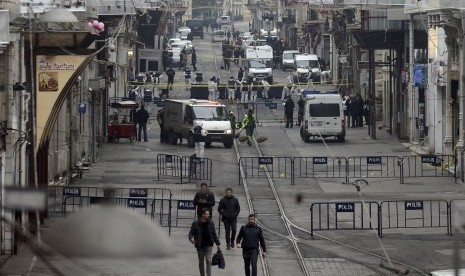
[307, 66]
[260, 63]
[179, 117]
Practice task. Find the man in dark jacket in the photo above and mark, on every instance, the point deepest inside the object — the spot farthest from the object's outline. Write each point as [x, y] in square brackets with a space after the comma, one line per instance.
[300, 114]
[250, 237]
[170, 73]
[142, 116]
[289, 111]
[203, 235]
[204, 199]
[229, 209]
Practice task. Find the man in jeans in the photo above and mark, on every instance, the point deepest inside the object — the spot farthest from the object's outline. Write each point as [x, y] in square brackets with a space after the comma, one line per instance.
[142, 116]
[251, 236]
[229, 209]
[203, 235]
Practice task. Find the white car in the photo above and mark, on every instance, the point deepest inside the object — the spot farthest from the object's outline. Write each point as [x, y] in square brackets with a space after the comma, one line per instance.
[246, 35]
[173, 40]
[187, 44]
[184, 29]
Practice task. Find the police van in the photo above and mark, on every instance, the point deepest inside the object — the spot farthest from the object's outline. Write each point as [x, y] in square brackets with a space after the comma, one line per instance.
[323, 116]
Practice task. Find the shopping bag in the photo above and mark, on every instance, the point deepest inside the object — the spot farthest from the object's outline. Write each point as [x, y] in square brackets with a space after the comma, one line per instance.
[215, 258]
[221, 263]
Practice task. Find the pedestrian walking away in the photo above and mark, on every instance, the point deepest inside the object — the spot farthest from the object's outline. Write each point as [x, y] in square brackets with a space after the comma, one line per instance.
[199, 135]
[229, 209]
[244, 91]
[203, 235]
[249, 123]
[170, 74]
[253, 90]
[204, 199]
[289, 111]
[240, 74]
[142, 116]
[250, 237]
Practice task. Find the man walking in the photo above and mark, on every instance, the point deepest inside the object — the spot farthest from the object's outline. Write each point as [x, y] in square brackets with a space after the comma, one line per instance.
[253, 90]
[229, 209]
[204, 199]
[203, 235]
[244, 91]
[249, 238]
[170, 74]
[300, 114]
[212, 87]
[231, 90]
[249, 123]
[266, 86]
[142, 116]
[187, 77]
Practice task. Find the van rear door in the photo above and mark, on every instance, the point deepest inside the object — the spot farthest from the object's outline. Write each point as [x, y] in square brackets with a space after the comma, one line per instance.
[325, 115]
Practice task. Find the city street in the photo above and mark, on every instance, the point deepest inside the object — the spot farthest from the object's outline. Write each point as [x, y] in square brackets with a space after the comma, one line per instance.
[286, 221]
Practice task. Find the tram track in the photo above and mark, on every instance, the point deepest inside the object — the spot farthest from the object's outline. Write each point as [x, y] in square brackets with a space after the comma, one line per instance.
[373, 263]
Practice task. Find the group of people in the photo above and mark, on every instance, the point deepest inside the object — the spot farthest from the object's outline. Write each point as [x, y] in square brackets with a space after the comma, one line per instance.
[203, 234]
[355, 108]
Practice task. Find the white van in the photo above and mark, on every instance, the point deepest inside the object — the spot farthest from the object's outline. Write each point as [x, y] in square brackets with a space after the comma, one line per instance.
[307, 65]
[288, 59]
[225, 20]
[218, 36]
[323, 116]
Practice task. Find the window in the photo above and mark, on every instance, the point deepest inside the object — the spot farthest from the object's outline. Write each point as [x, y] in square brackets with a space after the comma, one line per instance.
[324, 110]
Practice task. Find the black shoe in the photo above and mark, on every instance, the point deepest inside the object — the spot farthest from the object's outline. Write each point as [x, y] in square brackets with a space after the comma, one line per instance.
[228, 247]
[249, 143]
[232, 245]
[146, 140]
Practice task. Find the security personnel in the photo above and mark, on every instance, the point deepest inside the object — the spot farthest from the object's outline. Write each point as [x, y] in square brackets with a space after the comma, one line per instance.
[254, 90]
[212, 87]
[244, 91]
[199, 140]
[249, 123]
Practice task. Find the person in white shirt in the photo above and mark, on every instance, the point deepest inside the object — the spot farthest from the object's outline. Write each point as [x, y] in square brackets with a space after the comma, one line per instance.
[212, 87]
[266, 87]
[244, 91]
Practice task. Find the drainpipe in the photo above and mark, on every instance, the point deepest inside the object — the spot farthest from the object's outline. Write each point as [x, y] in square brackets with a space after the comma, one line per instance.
[461, 99]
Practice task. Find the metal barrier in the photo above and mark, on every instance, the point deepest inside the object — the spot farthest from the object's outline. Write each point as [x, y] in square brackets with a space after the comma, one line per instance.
[414, 214]
[457, 211]
[145, 206]
[196, 169]
[428, 166]
[344, 216]
[374, 166]
[323, 166]
[186, 211]
[260, 167]
[169, 166]
[58, 194]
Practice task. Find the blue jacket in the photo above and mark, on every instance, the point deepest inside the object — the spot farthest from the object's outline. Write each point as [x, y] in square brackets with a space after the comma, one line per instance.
[251, 237]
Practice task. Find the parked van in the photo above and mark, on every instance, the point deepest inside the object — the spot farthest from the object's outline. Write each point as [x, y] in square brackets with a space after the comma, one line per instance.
[288, 59]
[180, 116]
[307, 65]
[323, 116]
[225, 20]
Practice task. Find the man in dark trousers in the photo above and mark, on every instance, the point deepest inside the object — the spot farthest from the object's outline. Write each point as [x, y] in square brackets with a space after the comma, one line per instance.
[194, 59]
[160, 121]
[170, 73]
[142, 116]
[203, 235]
[289, 111]
[249, 238]
[204, 199]
[240, 74]
[229, 209]
[300, 114]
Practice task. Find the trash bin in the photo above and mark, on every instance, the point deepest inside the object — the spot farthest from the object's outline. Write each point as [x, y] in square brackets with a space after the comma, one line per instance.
[198, 76]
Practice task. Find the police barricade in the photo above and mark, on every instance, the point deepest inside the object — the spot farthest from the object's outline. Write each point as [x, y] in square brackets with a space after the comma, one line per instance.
[457, 214]
[186, 213]
[414, 214]
[155, 208]
[374, 166]
[196, 169]
[320, 167]
[60, 193]
[261, 167]
[344, 216]
[169, 166]
[428, 166]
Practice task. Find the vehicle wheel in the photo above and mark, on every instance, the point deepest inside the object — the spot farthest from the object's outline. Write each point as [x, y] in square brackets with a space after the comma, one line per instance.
[132, 138]
[341, 138]
[115, 137]
[228, 144]
[190, 141]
